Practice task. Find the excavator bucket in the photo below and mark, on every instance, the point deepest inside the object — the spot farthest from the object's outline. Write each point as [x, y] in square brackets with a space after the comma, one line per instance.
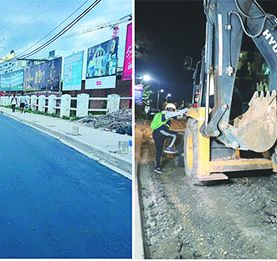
[257, 126]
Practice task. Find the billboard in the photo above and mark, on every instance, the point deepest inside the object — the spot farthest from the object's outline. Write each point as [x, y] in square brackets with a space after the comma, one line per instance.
[8, 57]
[12, 81]
[72, 72]
[138, 94]
[44, 76]
[102, 65]
[127, 67]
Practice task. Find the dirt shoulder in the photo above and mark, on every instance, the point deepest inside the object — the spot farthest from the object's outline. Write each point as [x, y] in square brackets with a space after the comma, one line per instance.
[235, 219]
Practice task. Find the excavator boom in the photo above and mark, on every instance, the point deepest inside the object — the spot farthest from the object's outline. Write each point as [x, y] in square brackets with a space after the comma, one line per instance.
[227, 21]
[214, 138]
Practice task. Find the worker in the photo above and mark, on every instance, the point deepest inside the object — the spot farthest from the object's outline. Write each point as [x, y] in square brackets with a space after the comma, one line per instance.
[22, 102]
[160, 126]
[13, 102]
[196, 101]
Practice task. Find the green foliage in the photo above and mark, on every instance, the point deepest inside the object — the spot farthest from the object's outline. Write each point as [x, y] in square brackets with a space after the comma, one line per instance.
[7, 106]
[75, 118]
[139, 112]
[10, 107]
[72, 114]
[54, 115]
[39, 112]
[95, 113]
[65, 118]
[28, 110]
[146, 95]
[144, 46]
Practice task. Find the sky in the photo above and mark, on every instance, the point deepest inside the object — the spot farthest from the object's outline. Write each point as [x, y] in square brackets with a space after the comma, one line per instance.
[172, 30]
[24, 22]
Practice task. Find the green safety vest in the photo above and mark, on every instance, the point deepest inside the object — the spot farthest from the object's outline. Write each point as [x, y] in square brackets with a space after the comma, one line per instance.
[157, 121]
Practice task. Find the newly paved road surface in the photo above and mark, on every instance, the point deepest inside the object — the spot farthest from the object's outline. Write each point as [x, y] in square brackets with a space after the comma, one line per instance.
[55, 202]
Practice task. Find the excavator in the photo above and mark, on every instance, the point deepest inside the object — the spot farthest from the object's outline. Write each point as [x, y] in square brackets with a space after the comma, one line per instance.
[215, 141]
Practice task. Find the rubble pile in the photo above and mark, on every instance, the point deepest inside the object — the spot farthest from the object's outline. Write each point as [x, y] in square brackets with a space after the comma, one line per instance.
[119, 121]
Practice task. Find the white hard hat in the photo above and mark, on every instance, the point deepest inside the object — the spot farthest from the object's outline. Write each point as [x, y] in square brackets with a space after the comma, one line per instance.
[170, 106]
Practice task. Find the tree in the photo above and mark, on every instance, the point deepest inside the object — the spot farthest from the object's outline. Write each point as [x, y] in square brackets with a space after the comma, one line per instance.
[146, 98]
[144, 46]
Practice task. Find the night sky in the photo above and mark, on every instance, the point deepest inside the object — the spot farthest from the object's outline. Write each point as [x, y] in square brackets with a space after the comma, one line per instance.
[170, 31]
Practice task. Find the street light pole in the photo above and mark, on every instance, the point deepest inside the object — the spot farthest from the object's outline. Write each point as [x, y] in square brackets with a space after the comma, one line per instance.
[158, 97]
[147, 78]
[167, 96]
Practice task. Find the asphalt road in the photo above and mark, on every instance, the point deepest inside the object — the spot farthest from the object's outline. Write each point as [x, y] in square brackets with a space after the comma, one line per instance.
[56, 202]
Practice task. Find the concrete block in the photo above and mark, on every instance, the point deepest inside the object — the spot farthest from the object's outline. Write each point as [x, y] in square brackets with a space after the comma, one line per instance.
[41, 103]
[82, 105]
[7, 100]
[52, 104]
[28, 102]
[113, 103]
[33, 102]
[65, 105]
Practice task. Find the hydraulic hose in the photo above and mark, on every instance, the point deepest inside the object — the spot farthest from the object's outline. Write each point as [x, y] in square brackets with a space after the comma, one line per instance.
[243, 26]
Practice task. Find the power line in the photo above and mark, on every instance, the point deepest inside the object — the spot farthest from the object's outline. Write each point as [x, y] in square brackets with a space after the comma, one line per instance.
[20, 12]
[15, 20]
[89, 29]
[22, 53]
[13, 30]
[31, 6]
[48, 7]
[64, 30]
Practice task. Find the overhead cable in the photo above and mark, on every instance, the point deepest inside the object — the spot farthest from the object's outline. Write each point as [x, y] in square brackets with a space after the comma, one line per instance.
[44, 37]
[64, 30]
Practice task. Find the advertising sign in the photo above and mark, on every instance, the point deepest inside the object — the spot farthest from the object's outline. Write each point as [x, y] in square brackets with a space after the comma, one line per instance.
[8, 57]
[12, 81]
[72, 72]
[138, 94]
[127, 67]
[44, 76]
[102, 65]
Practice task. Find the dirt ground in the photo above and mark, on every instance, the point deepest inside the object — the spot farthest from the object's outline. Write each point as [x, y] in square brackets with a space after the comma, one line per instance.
[233, 219]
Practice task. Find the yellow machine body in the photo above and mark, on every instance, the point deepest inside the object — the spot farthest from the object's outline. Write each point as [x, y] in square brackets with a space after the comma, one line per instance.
[208, 169]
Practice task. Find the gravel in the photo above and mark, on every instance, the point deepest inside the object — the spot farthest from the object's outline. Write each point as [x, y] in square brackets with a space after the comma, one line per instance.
[119, 121]
[233, 219]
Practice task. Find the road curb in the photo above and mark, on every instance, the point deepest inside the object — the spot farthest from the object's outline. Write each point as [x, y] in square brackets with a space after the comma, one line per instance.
[138, 231]
[105, 158]
[138, 250]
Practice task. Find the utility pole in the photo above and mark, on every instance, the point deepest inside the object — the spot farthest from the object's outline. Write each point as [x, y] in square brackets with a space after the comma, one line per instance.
[158, 97]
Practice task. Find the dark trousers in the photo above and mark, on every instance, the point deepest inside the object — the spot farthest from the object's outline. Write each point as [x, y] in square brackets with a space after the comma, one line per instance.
[159, 139]
[13, 107]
